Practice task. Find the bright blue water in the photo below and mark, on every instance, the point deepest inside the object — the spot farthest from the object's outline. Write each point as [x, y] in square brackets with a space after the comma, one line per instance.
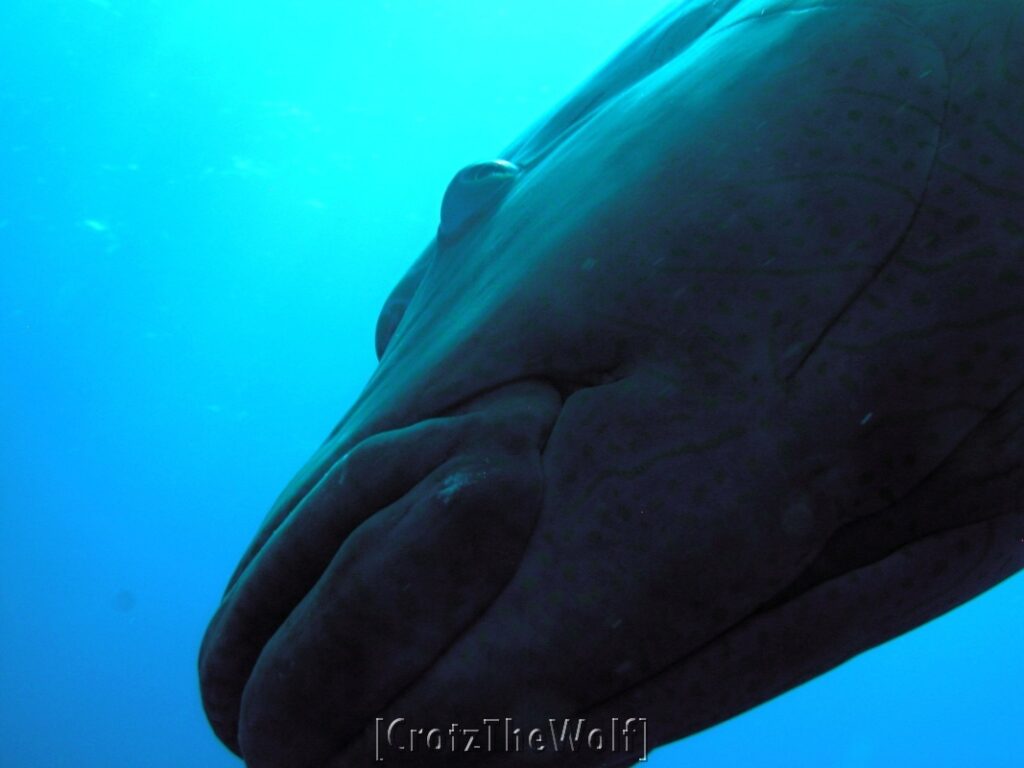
[203, 205]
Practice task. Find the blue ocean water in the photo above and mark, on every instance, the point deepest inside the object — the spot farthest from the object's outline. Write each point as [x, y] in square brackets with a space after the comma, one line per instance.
[203, 206]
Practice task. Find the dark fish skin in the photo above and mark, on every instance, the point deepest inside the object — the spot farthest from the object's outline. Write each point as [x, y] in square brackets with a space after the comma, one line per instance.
[725, 388]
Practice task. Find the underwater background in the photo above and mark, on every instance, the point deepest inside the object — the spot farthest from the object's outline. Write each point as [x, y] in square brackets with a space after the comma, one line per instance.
[202, 208]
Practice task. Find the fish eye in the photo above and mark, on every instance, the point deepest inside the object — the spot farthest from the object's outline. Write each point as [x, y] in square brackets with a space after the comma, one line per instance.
[475, 190]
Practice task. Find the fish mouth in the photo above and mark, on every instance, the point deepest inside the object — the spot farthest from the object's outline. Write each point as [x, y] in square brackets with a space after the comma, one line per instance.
[399, 545]
[403, 544]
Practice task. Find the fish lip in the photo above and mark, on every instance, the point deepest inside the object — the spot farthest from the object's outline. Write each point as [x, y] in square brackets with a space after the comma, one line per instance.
[228, 725]
[566, 385]
[453, 411]
[566, 388]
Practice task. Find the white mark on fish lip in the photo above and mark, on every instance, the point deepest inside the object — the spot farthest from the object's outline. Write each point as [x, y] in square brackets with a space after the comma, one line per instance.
[455, 482]
[867, 417]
